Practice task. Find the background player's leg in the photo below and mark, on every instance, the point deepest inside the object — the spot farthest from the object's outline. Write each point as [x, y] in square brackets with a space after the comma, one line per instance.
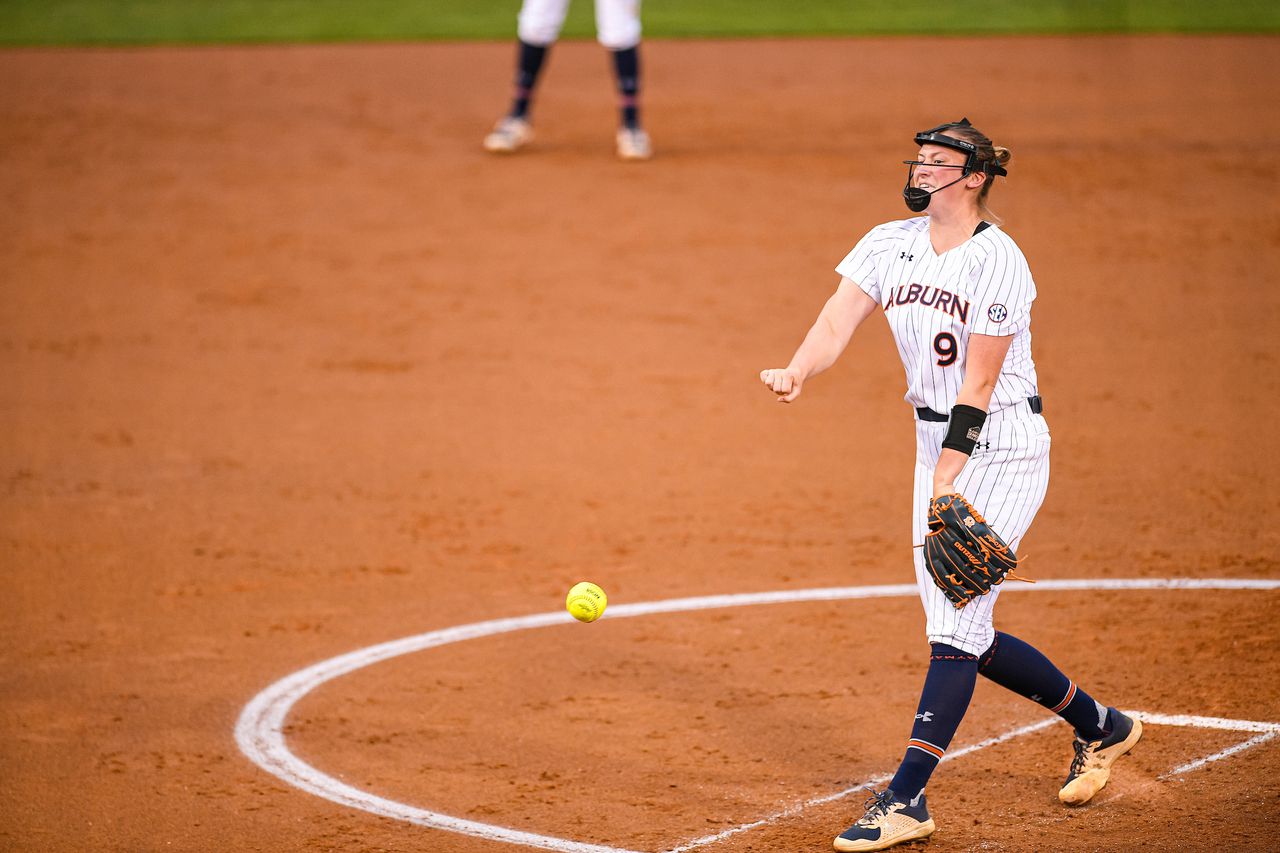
[626, 70]
[538, 28]
[529, 59]
[633, 141]
[540, 21]
[618, 29]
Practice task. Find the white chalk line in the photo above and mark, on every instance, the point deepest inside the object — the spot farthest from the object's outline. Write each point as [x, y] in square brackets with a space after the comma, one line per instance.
[794, 811]
[260, 729]
[1269, 731]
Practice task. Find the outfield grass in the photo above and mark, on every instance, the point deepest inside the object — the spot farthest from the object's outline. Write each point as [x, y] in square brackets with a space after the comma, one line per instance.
[124, 22]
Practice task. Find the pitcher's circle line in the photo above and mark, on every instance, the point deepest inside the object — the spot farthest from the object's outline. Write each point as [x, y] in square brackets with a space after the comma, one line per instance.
[260, 728]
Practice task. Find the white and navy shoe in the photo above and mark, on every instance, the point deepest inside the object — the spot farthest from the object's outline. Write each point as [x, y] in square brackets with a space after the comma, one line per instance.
[1091, 767]
[633, 144]
[509, 135]
[888, 821]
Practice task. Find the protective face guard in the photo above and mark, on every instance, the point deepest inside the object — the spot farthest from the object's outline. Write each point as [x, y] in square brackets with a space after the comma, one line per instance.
[917, 199]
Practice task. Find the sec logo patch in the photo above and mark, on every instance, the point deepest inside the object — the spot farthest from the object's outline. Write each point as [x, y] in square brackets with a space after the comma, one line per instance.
[997, 313]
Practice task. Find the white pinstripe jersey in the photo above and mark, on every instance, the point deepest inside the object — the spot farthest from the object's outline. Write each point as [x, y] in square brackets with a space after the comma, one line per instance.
[934, 303]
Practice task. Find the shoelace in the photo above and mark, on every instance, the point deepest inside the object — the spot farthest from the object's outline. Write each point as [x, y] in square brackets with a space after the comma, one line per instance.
[877, 806]
[1077, 763]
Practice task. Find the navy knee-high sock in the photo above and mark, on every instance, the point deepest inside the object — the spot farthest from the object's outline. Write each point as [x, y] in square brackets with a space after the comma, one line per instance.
[1015, 665]
[948, 687]
[529, 59]
[626, 68]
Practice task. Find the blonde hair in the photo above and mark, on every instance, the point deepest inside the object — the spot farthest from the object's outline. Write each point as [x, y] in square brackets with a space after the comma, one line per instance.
[987, 153]
[1001, 156]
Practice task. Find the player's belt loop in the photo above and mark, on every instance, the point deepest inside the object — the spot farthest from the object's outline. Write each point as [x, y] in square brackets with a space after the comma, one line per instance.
[926, 414]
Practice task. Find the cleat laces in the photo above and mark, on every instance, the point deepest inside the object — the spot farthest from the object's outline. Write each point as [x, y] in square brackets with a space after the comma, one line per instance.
[878, 805]
[1081, 759]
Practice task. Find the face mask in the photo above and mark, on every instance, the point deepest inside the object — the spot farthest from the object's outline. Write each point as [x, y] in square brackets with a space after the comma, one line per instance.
[917, 199]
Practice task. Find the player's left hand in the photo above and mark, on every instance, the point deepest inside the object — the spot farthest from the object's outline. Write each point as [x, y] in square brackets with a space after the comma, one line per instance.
[783, 381]
[962, 554]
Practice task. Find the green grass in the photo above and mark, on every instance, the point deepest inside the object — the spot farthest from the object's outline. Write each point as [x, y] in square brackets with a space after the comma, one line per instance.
[125, 22]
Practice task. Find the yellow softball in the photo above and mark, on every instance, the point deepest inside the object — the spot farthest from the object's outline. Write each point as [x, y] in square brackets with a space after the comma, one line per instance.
[586, 601]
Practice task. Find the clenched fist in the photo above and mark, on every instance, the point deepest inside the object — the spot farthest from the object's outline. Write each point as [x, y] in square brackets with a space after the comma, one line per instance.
[784, 382]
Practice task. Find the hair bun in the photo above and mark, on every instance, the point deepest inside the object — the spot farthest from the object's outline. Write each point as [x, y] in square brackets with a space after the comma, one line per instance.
[1002, 154]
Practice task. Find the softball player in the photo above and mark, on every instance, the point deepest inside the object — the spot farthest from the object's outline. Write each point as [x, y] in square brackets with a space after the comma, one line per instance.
[539, 24]
[957, 294]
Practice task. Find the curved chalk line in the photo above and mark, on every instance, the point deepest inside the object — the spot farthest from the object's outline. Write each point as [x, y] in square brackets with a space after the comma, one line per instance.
[260, 729]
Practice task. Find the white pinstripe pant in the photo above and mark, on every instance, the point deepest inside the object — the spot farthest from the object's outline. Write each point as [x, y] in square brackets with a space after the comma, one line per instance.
[617, 22]
[1006, 483]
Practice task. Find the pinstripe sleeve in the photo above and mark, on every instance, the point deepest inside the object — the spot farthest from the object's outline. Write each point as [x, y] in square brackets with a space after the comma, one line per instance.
[1002, 289]
[860, 265]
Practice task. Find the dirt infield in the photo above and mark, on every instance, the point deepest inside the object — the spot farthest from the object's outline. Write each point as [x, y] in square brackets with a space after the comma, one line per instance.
[293, 368]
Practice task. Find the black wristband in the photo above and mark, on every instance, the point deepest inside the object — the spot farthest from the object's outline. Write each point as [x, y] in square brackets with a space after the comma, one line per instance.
[964, 428]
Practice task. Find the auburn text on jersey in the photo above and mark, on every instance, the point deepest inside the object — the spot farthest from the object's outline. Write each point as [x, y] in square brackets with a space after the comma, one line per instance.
[933, 297]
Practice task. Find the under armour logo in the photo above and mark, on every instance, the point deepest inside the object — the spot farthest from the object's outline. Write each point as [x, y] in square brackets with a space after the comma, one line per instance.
[982, 445]
[905, 256]
[926, 717]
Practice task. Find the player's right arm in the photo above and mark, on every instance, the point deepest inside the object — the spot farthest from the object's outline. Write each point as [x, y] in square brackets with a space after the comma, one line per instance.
[826, 340]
